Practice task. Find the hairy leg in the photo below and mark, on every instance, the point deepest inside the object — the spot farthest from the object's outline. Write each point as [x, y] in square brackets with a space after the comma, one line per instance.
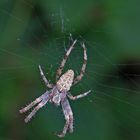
[68, 117]
[40, 105]
[59, 70]
[37, 100]
[78, 96]
[44, 78]
[79, 77]
[71, 123]
[45, 99]
[42, 100]
[25, 109]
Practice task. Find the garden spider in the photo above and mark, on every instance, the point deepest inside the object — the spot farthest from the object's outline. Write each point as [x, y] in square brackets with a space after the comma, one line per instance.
[58, 93]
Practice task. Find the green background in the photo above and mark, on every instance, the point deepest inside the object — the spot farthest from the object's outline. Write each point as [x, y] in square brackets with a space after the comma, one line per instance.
[37, 32]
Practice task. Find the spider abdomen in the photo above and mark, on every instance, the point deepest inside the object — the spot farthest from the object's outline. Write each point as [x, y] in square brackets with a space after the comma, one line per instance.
[65, 81]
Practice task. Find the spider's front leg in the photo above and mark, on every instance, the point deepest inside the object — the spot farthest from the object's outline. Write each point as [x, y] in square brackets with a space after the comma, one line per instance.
[68, 117]
[39, 102]
[25, 109]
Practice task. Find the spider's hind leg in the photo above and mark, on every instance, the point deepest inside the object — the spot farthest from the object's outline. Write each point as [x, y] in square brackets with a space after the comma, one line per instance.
[79, 77]
[59, 70]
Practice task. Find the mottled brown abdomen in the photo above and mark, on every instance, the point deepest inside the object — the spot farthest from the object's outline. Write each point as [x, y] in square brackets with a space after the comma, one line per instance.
[65, 81]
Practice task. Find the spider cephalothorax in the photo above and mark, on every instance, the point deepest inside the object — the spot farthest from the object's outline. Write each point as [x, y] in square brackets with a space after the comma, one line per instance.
[58, 93]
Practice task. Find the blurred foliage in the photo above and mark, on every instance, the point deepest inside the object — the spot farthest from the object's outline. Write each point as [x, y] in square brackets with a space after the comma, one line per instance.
[37, 32]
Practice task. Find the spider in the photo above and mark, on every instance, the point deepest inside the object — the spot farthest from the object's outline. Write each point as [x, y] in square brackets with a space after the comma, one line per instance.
[59, 92]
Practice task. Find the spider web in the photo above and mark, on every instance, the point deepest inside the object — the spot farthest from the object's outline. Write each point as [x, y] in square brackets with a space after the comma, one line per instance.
[108, 77]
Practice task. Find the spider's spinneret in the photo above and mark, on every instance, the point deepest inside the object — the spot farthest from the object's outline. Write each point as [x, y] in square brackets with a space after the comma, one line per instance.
[65, 81]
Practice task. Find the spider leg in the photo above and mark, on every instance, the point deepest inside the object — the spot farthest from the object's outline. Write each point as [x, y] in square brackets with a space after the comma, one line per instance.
[43, 98]
[78, 96]
[68, 117]
[40, 105]
[79, 77]
[59, 70]
[44, 78]
[25, 109]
